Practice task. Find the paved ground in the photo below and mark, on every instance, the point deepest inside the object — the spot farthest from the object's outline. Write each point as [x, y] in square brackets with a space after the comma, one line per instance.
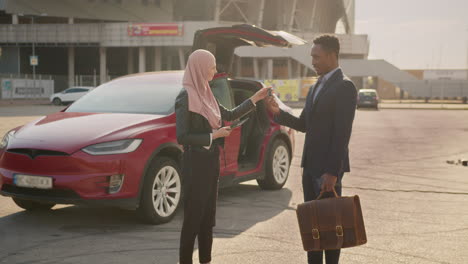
[423, 106]
[414, 204]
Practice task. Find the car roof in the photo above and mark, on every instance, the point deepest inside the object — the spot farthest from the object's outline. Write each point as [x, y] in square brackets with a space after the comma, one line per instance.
[368, 90]
[151, 76]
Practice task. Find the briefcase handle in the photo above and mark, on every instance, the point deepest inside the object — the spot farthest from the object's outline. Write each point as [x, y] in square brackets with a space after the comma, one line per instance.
[322, 192]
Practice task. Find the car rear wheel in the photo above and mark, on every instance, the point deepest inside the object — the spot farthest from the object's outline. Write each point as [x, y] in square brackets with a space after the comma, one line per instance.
[161, 194]
[277, 167]
[32, 205]
[57, 101]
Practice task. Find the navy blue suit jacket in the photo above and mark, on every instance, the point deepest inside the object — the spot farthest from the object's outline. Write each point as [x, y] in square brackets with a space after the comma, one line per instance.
[327, 122]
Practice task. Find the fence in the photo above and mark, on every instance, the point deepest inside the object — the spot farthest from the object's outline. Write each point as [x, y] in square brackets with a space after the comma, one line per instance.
[438, 89]
[31, 88]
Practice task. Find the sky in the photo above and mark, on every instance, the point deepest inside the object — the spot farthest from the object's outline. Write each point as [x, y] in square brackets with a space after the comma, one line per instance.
[416, 34]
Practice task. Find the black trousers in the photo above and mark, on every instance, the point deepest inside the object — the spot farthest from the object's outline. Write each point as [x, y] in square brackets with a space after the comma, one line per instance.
[201, 173]
[311, 183]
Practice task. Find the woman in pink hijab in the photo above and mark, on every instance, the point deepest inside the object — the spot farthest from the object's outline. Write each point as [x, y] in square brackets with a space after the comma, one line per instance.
[199, 122]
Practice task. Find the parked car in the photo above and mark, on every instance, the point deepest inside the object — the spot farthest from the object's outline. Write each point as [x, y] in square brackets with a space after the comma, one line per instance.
[69, 95]
[117, 144]
[368, 98]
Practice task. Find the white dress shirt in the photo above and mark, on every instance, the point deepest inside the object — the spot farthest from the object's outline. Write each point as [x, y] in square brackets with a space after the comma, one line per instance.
[324, 80]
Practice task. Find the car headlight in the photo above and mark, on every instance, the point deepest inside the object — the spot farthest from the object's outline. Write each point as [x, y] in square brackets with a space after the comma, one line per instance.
[113, 147]
[6, 139]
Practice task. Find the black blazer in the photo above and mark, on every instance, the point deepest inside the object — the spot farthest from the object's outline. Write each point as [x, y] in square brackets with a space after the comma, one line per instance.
[327, 123]
[194, 130]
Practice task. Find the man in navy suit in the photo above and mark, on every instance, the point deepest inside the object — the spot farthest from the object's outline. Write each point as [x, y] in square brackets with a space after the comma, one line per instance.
[327, 120]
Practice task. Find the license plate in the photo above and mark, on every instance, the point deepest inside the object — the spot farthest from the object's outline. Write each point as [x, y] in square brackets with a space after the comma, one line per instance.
[367, 102]
[39, 182]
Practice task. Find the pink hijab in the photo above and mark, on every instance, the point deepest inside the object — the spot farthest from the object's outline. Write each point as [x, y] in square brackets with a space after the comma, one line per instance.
[200, 97]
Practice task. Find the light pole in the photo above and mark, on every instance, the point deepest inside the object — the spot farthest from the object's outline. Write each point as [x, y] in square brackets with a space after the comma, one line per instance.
[33, 54]
[467, 52]
[33, 60]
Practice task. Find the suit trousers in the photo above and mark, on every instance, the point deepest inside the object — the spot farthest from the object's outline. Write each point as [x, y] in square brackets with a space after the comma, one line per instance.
[201, 174]
[311, 183]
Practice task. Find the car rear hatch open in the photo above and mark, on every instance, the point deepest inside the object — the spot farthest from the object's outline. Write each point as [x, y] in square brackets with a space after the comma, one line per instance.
[222, 41]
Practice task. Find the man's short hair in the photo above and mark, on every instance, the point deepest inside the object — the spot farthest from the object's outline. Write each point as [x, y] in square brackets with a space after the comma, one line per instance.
[329, 43]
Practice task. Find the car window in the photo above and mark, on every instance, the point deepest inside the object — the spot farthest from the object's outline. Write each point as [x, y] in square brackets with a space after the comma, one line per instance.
[222, 91]
[367, 94]
[72, 90]
[81, 90]
[131, 95]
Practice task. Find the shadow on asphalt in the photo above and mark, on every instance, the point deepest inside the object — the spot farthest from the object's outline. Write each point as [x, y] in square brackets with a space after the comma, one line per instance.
[239, 208]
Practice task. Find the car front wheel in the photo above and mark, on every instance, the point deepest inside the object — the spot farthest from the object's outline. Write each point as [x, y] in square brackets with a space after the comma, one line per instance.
[161, 194]
[277, 167]
[32, 205]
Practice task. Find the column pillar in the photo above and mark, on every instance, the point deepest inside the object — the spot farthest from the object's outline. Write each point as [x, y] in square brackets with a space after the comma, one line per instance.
[181, 58]
[157, 58]
[71, 66]
[256, 70]
[14, 19]
[141, 59]
[290, 72]
[297, 72]
[293, 13]
[263, 69]
[217, 10]
[130, 60]
[270, 69]
[102, 65]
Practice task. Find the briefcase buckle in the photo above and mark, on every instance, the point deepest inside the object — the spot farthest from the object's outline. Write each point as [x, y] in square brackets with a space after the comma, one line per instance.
[315, 234]
[339, 231]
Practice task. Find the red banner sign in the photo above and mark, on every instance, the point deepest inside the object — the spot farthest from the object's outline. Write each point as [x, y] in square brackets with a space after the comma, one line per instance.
[150, 29]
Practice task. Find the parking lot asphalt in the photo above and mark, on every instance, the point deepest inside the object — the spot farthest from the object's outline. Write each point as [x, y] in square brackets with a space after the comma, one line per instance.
[415, 205]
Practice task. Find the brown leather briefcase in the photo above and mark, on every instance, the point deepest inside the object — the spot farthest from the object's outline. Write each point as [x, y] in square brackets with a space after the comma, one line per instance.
[331, 223]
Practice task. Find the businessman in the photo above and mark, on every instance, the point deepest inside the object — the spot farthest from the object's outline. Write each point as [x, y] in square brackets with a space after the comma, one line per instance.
[327, 120]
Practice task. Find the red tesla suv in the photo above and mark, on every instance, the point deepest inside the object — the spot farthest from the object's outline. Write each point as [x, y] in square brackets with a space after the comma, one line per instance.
[116, 146]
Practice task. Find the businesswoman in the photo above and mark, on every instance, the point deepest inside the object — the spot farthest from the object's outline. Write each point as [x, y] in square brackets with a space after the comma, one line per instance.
[199, 121]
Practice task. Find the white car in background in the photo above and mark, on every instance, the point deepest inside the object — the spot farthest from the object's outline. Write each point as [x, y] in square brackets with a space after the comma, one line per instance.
[69, 95]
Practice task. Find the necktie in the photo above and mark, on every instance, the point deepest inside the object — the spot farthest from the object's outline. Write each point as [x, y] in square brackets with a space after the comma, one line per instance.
[316, 87]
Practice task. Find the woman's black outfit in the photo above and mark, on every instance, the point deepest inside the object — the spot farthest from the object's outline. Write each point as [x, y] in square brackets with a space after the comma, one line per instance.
[200, 170]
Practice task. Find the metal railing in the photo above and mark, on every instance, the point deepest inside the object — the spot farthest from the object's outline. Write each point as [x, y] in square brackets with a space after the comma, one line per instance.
[440, 89]
[56, 34]
[102, 34]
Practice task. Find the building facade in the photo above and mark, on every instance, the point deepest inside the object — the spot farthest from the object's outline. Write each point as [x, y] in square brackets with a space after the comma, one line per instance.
[88, 42]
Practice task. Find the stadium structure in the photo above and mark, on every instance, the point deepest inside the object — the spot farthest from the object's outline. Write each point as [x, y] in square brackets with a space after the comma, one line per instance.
[88, 42]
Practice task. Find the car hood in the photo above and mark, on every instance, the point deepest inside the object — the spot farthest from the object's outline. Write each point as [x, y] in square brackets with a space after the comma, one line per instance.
[69, 132]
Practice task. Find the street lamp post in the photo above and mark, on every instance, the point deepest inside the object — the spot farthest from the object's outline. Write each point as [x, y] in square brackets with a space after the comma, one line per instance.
[33, 54]
[33, 60]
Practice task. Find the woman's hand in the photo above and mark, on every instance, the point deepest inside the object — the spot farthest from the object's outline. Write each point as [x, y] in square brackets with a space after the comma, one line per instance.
[260, 95]
[272, 105]
[222, 132]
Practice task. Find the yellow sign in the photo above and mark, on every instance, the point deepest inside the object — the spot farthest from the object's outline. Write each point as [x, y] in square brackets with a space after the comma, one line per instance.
[306, 85]
[287, 90]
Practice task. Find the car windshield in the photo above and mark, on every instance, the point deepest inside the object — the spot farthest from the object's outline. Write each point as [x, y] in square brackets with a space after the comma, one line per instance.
[141, 94]
[367, 94]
